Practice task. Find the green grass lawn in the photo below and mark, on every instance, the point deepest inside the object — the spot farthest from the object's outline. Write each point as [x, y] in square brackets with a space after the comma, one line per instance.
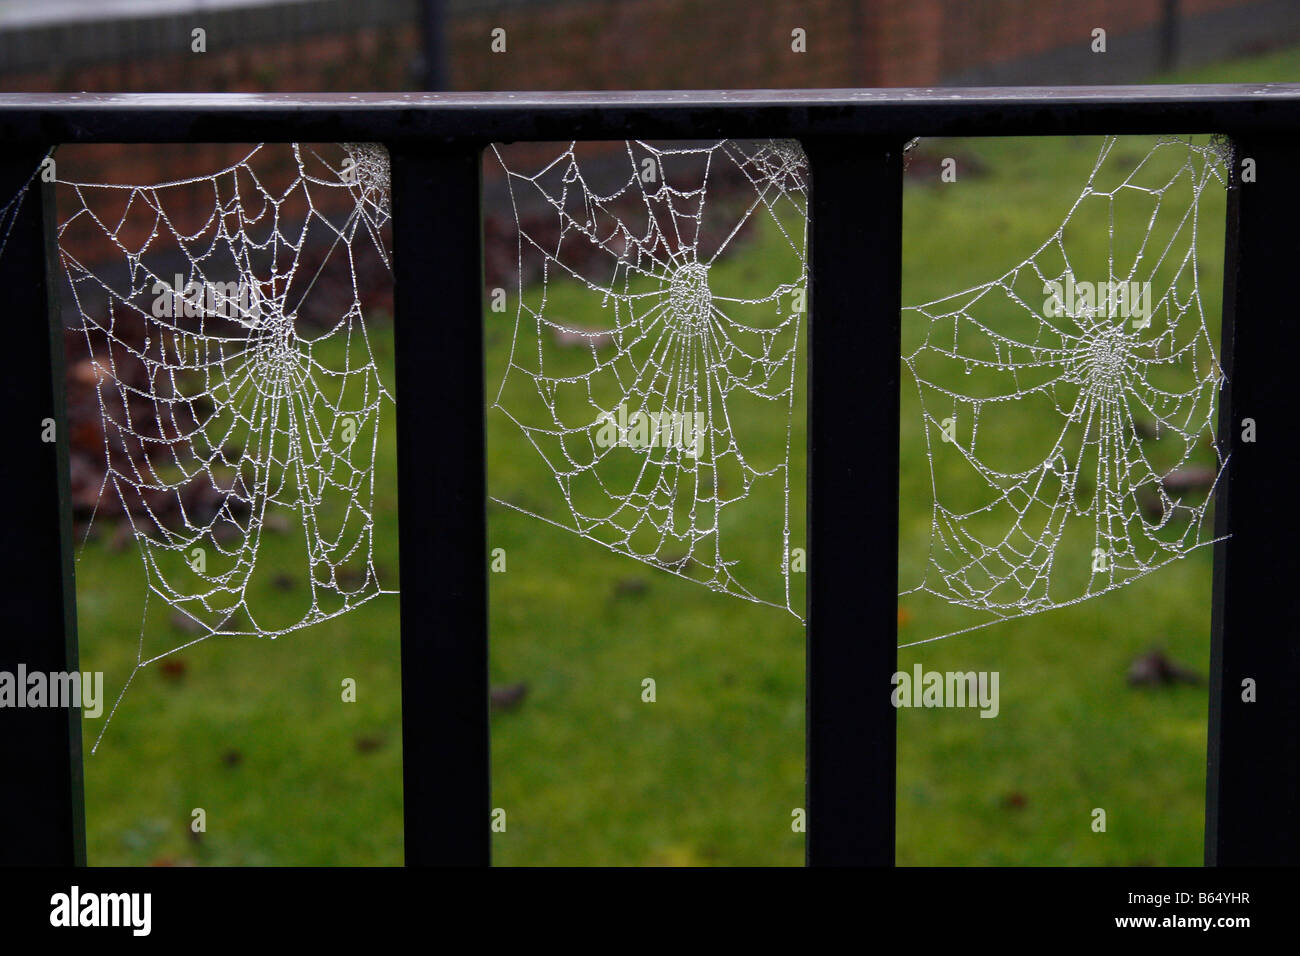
[256, 734]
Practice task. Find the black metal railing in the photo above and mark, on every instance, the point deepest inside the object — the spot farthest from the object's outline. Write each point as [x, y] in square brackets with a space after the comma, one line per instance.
[854, 140]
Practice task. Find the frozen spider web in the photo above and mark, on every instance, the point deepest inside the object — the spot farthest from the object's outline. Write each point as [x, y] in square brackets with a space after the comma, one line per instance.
[656, 383]
[1116, 476]
[238, 392]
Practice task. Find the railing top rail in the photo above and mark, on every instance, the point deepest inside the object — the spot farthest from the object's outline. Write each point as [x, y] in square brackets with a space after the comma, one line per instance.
[452, 118]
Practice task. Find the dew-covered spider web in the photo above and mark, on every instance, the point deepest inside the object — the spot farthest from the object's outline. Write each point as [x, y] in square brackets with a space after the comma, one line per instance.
[1123, 477]
[238, 392]
[651, 371]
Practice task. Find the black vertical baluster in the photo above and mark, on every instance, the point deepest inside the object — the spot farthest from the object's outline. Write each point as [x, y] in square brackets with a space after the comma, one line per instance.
[437, 239]
[1253, 793]
[41, 804]
[853, 412]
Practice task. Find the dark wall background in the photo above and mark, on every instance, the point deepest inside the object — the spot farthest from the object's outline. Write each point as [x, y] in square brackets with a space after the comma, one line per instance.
[332, 45]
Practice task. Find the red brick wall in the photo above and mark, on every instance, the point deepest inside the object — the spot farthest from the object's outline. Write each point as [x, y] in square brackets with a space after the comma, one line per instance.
[607, 44]
[371, 59]
[644, 44]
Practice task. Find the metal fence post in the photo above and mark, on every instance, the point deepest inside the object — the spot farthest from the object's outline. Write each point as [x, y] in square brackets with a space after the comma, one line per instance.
[1252, 801]
[853, 380]
[442, 493]
[41, 802]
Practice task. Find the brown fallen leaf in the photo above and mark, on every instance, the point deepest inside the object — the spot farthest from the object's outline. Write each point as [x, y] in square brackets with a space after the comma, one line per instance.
[627, 587]
[172, 668]
[186, 624]
[508, 697]
[1191, 478]
[1155, 668]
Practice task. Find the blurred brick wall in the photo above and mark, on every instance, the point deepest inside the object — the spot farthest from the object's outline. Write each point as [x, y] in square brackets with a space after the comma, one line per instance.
[341, 45]
[331, 45]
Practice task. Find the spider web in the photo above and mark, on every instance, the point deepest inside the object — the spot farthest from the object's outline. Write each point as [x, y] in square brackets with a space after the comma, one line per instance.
[1124, 483]
[238, 397]
[240, 407]
[647, 418]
